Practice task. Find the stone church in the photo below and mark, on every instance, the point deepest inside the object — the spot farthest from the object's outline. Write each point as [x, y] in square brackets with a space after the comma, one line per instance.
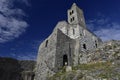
[63, 47]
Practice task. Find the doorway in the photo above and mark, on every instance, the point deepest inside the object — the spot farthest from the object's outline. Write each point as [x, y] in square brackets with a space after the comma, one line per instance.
[33, 77]
[65, 60]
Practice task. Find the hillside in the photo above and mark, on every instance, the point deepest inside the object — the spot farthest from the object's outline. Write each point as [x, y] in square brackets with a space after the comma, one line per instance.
[12, 69]
[102, 63]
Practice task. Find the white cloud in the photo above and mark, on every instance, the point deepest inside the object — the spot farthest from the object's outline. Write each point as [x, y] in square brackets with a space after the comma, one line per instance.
[113, 32]
[10, 26]
[105, 28]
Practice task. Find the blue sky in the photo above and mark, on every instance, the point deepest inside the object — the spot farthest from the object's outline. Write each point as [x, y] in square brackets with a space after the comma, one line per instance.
[24, 24]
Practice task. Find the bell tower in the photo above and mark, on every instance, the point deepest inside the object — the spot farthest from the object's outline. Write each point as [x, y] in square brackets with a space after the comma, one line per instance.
[76, 16]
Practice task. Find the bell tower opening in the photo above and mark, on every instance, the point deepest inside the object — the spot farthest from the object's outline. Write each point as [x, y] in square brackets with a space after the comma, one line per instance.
[65, 60]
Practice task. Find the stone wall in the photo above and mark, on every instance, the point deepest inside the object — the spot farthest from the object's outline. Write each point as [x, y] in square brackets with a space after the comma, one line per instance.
[46, 57]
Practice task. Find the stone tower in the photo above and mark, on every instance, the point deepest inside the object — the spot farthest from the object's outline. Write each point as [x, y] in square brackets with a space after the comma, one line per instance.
[65, 45]
[75, 16]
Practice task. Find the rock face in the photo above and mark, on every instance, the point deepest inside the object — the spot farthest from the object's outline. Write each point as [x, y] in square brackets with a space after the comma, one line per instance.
[12, 69]
[28, 69]
[65, 45]
[107, 51]
[9, 69]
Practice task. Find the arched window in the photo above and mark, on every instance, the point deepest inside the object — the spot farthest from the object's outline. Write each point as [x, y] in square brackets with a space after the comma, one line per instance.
[65, 60]
[84, 46]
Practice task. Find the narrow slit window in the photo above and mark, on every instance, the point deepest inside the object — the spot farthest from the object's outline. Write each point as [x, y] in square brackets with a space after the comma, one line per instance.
[73, 31]
[96, 44]
[46, 44]
[72, 11]
[84, 46]
[73, 18]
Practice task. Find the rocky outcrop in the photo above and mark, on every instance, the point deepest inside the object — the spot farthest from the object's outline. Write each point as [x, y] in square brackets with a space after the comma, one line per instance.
[9, 69]
[28, 69]
[12, 69]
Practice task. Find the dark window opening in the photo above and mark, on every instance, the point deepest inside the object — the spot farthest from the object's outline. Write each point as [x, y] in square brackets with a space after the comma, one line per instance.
[73, 31]
[80, 34]
[65, 60]
[46, 44]
[72, 11]
[96, 44]
[84, 46]
[32, 77]
[73, 18]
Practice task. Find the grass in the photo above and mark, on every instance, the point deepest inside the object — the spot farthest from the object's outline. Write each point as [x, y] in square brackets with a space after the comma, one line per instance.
[106, 68]
[90, 66]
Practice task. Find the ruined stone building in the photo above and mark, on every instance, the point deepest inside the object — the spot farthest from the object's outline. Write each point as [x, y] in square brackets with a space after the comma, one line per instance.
[64, 46]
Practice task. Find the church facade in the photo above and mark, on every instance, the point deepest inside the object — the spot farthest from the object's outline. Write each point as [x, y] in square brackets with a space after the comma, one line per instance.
[64, 46]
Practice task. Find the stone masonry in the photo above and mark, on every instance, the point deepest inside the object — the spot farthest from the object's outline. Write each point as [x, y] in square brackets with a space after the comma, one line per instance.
[63, 47]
